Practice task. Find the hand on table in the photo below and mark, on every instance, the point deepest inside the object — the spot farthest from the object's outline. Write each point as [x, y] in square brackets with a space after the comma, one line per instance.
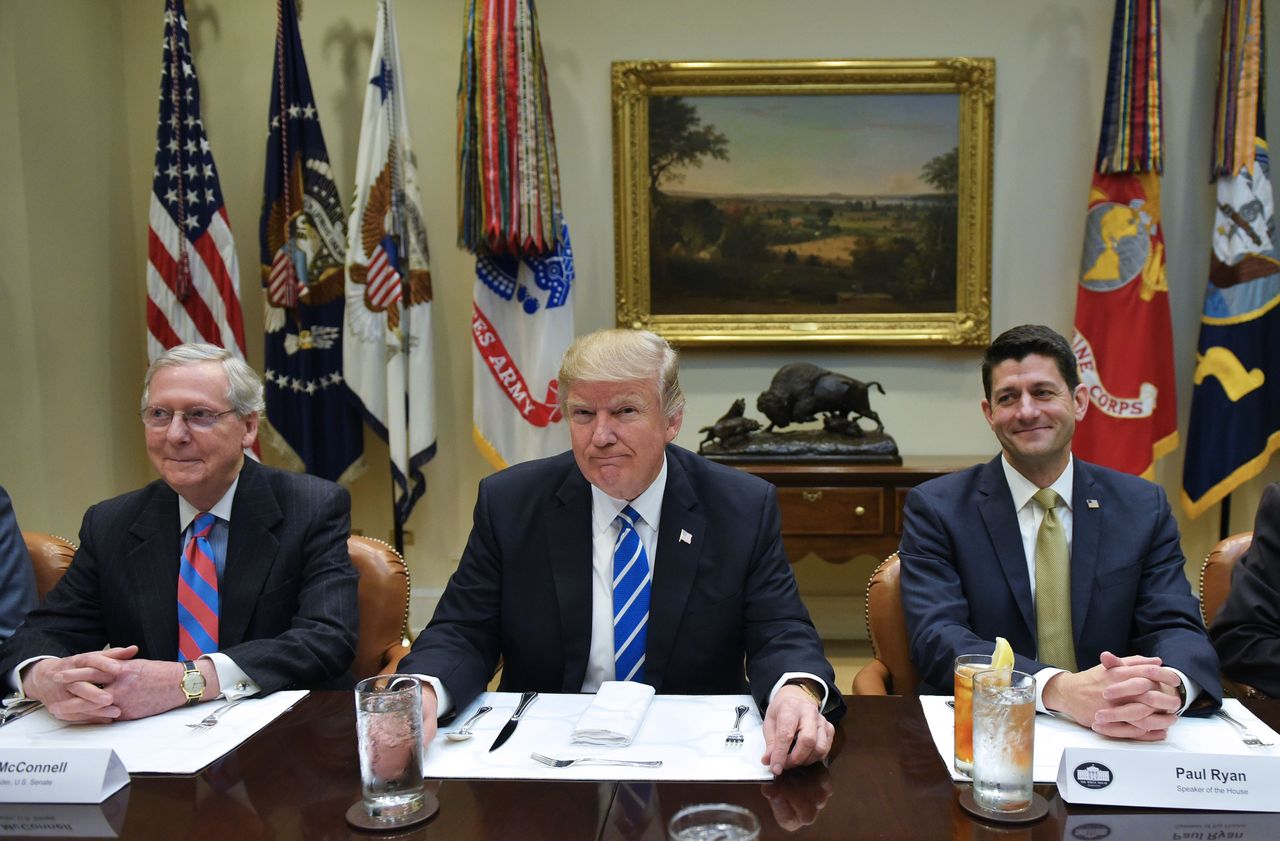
[72, 688]
[1132, 697]
[794, 716]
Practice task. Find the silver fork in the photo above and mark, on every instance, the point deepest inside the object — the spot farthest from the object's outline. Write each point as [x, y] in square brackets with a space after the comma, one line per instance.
[595, 760]
[1246, 735]
[734, 739]
[212, 718]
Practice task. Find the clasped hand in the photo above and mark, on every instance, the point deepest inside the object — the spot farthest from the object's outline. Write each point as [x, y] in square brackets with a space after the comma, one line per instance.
[1133, 697]
[98, 687]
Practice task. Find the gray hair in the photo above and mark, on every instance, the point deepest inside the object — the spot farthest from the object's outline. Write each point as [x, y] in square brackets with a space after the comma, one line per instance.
[609, 356]
[244, 386]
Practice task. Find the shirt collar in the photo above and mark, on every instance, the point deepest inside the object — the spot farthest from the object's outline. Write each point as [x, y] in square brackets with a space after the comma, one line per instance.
[1023, 488]
[221, 509]
[605, 509]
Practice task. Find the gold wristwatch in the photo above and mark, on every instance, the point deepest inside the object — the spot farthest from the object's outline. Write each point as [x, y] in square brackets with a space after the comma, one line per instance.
[192, 684]
[805, 686]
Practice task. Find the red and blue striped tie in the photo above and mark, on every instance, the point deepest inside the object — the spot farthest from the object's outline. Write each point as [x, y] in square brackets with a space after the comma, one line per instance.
[198, 593]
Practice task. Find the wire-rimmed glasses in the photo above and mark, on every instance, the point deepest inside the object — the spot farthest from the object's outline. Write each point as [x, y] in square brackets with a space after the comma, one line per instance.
[200, 417]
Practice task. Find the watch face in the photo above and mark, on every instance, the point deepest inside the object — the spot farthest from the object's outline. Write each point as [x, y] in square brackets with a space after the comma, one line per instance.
[193, 683]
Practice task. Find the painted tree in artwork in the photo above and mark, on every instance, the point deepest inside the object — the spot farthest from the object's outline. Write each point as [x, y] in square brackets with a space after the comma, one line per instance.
[677, 139]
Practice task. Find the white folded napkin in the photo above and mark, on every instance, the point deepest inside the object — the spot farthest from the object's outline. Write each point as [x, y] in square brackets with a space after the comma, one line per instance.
[615, 715]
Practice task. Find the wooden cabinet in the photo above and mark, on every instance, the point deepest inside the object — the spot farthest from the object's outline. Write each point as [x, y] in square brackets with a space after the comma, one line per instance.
[839, 511]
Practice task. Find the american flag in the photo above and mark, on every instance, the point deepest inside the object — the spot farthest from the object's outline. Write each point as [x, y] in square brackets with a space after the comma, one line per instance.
[193, 279]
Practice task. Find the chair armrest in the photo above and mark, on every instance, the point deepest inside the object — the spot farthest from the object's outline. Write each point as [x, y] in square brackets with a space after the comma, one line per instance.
[872, 679]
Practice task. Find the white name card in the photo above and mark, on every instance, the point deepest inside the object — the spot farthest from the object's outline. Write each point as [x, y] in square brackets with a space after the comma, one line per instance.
[1118, 777]
[60, 775]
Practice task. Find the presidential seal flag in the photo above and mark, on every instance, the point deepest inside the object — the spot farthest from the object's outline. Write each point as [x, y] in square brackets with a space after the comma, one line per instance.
[387, 355]
[510, 218]
[302, 243]
[1123, 336]
[1235, 404]
[193, 280]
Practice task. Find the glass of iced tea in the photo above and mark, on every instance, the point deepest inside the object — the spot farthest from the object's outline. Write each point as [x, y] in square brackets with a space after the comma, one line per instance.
[967, 665]
[1004, 710]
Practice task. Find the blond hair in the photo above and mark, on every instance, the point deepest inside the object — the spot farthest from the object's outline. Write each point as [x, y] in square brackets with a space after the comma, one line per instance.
[619, 355]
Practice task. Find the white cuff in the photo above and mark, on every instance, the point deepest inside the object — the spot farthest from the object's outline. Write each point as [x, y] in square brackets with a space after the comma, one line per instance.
[443, 702]
[232, 680]
[1042, 677]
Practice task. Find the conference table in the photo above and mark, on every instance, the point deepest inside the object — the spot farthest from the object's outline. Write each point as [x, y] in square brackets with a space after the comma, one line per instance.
[297, 778]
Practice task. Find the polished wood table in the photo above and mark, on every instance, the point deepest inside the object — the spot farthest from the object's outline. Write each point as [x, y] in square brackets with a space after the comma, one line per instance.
[296, 779]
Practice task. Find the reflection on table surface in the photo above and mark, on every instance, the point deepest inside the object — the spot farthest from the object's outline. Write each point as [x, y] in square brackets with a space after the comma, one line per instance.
[296, 779]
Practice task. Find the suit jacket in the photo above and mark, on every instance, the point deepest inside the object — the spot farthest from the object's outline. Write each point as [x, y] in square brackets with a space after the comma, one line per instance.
[288, 613]
[17, 578]
[1246, 632]
[522, 590]
[965, 579]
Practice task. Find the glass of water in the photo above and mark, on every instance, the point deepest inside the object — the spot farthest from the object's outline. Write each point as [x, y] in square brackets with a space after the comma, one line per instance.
[713, 822]
[389, 729]
[1004, 709]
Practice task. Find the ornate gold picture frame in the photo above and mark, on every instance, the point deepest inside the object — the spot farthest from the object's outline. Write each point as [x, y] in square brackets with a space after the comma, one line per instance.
[837, 202]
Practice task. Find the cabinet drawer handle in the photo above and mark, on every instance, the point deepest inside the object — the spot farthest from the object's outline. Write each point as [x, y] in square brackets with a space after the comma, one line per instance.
[859, 511]
[811, 496]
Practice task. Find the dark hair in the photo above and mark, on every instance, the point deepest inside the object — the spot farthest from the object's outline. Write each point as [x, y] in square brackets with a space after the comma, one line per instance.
[1017, 343]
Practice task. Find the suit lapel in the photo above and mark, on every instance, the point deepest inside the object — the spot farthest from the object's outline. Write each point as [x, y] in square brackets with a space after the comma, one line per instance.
[1086, 534]
[674, 568]
[151, 565]
[1001, 521]
[569, 550]
[251, 552]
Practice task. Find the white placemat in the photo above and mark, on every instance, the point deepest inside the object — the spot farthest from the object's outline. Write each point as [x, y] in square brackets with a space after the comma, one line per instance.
[1193, 734]
[161, 744]
[685, 732]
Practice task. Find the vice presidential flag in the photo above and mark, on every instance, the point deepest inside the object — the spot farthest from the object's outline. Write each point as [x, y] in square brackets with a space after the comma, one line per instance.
[510, 217]
[1123, 337]
[387, 354]
[302, 243]
[193, 281]
[1235, 406]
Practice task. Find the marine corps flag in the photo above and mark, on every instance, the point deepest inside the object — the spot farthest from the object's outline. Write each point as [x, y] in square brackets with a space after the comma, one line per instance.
[1123, 338]
[1235, 405]
[510, 218]
[387, 355]
[302, 241]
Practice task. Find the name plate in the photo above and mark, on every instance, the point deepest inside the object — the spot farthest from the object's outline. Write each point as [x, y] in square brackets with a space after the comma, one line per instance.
[60, 775]
[1117, 777]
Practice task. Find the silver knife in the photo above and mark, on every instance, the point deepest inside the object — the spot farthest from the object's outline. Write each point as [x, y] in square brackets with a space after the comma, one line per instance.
[510, 727]
[18, 710]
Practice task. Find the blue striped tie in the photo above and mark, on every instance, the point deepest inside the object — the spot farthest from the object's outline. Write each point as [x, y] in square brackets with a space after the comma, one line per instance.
[631, 578]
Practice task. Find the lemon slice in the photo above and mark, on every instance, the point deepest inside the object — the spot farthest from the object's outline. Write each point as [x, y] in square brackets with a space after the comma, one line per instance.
[1003, 656]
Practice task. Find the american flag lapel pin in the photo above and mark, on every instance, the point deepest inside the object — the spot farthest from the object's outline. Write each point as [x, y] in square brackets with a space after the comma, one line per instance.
[1092, 503]
[685, 537]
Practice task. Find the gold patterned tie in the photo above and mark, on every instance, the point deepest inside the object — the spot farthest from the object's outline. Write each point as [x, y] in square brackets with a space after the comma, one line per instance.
[1053, 587]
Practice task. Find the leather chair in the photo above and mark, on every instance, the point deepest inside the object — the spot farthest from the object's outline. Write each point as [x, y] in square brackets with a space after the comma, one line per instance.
[50, 557]
[891, 672]
[383, 636]
[1215, 583]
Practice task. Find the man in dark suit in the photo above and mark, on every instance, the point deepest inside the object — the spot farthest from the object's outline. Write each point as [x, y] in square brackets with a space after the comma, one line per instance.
[262, 552]
[17, 578]
[536, 584]
[1246, 632]
[1085, 580]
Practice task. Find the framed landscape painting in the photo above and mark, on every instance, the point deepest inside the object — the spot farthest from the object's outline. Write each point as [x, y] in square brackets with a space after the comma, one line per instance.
[812, 201]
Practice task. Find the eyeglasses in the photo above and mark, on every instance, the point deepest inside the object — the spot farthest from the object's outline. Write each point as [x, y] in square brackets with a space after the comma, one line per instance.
[157, 417]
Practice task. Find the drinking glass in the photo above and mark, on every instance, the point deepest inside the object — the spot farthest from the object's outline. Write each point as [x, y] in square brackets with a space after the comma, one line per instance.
[1004, 709]
[713, 822]
[967, 665]
[389, 729]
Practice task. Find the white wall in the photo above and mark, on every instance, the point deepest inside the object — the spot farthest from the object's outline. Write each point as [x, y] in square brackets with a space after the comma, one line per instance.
[78, 87]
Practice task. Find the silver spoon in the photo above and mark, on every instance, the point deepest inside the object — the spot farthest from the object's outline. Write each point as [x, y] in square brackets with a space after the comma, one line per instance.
[464, 732]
